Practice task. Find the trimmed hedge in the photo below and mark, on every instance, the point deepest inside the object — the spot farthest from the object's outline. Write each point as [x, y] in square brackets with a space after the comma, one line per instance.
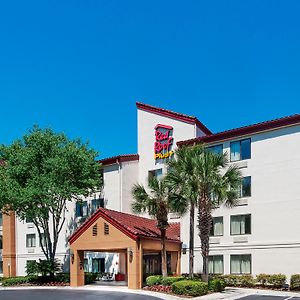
[12, 281]
[277, 280]
[190, 288]
[295, 282]
[90, 277]
[216, 285]
[262, 279]
[153, 280]
[238, 280]
[171, 280]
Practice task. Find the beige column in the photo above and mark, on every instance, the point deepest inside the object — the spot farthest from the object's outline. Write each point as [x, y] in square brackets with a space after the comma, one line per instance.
[76, 267]
[134, 267]
[9, 245]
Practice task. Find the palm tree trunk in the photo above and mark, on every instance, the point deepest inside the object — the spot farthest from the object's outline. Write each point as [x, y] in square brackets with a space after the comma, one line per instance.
[163, 253]
[204, 224]
[191, 242]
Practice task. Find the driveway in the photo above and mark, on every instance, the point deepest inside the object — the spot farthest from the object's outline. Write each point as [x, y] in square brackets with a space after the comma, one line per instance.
[268, 297]
[56, 294]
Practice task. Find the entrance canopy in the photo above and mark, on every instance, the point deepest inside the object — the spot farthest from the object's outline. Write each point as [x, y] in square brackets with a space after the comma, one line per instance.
[112, 231]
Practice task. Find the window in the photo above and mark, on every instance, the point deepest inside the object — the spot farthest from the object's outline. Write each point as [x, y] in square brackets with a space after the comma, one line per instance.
[81, 209]
[156, 173]
[98, 265]
[217, 149]
[30, 240]
[240, 224]
[1, 267]
[96, 203]
[245, 190]
[86, 265]
[1, 242]
[240, 264]
[240, 150]
[43, 240]
[215, 264]
[1, 219]
[217, 226]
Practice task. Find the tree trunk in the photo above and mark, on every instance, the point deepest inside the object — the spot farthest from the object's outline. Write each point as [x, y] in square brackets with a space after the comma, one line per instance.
[163, 253]
[191, 242]
[204, 224]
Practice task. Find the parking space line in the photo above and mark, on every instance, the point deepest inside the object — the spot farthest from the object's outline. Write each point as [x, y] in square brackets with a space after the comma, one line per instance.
[289, 298]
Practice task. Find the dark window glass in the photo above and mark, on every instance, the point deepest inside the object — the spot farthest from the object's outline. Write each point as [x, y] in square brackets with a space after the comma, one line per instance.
[240, 150]
[217, 226]
[81, 209]
[246, 187]
[97, 203]
[217, 149]
[246, 149]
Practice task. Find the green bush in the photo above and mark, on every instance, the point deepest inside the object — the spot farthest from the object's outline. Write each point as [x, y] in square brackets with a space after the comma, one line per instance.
[12, 281]
[295, 282]
[90, 277]
[216, 285]
[32, 268]
[239, 280]
[171, 280]
[62, 277]
[277, 280]
[190, 288]
[262, 279]
[153, 280]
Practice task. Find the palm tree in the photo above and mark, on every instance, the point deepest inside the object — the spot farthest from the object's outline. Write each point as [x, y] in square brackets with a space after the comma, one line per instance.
[215, 182]
[184, 193]
[156, 204]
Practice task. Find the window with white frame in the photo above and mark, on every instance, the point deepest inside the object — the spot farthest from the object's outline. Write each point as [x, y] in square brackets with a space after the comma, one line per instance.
[240, 264]
[81, 209]
[216, 149]
[215, 264]
[30, 240]
[240, 224]
[217, 226]
[245, 188]
[240, 150]
[158, 173]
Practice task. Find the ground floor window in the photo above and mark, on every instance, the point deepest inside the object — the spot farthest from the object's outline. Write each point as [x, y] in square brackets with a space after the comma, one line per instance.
[215, 264]
[1, 267]
[98, 265]
[240, 264]
[86, 265]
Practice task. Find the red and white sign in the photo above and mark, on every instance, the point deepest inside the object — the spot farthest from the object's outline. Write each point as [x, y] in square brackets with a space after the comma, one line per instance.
[163, 141]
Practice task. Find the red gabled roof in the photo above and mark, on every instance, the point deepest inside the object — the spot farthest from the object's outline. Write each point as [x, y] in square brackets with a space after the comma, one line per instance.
[118, 159]
[246, 130]
[133, 226]
[174, 115]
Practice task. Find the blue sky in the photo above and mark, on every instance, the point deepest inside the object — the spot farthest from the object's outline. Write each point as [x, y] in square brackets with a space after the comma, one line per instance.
[80, 66]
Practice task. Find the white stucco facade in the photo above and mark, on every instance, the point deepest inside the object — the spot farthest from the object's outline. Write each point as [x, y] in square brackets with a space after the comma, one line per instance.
[271, 245]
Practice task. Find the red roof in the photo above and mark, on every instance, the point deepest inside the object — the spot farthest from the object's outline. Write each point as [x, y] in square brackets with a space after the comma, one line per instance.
[174, 115]
[133, 226]
[118, 159]
[246, 130]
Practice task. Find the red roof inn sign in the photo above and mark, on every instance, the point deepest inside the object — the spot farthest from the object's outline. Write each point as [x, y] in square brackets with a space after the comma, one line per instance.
[163, 141]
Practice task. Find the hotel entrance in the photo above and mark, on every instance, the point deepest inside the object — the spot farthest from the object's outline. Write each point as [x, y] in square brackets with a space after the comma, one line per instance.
[120, 234]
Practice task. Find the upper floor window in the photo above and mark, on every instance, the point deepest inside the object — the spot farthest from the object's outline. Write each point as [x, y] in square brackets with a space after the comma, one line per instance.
[240, 150]
[217, 149]
[30, 240]
[217, 226]
[97, 203]
[156, 173]
[245, 189]
[240, 264]
[240, 224]
[215, 264]
[81, 209]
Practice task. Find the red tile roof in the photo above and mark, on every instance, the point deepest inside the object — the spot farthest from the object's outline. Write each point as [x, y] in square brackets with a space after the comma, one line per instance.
[133, 226]
[246, 130]
[174, 115]
[119, 158]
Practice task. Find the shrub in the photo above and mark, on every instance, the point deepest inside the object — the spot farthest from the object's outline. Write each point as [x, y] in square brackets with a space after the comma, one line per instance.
[62, 277]
[159, 288]
[11, 281]
[295, 282]
[190, 288]
[238, 280]
[32, 268]
[171, 280]
[90, 277]
[262, 279]
[216, 285]
[277, 280]
[153, 280]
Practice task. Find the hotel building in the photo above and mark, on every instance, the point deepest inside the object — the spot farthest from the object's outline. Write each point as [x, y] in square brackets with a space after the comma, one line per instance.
[259, 235]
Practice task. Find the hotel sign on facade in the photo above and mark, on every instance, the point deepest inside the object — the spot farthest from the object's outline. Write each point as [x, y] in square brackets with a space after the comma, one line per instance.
[163, 141]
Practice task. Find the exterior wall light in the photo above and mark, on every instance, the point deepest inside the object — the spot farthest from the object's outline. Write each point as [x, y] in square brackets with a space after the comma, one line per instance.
[130, 254]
